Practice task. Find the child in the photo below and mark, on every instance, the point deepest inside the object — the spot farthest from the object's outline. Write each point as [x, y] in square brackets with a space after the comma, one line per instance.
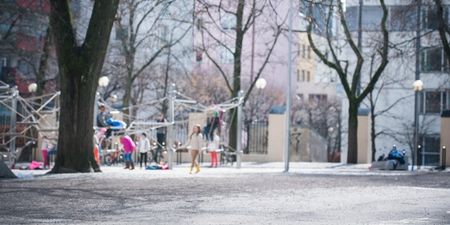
[129, 146]
[45, 145]
[195, 144]
[213, 149]
[143, 147]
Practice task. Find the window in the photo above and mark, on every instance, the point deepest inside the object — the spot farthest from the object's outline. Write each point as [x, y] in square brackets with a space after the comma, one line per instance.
[303, 51]
[228, 21]
[309, 52]
[226, 56]
[432, 59]
[298, 75]
[300, 97]
[3, 61]
[303, 75]
[308, 76]
[429, 18]
[445, 105]
[199, 23]
[3, 64]
[430, 153]
[199, 56]
[317, 98]
[299, 49]
[434, 101]
[164, 33]
[402, 18]
[371, 18]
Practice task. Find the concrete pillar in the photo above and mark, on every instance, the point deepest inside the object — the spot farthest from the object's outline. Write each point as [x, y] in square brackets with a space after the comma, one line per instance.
[364, 142]
[445, 135]
[276, 137]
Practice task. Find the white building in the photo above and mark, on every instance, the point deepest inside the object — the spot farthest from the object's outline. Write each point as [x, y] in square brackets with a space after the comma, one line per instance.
[394, 92]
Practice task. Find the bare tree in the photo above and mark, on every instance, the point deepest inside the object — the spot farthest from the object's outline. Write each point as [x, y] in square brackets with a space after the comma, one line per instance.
[79, 67]
[443, 28]
[143, 34]
[350, 87]
[219, 21]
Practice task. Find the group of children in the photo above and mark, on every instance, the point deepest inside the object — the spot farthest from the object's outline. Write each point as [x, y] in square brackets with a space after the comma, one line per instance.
[142, 146]
[195, 142]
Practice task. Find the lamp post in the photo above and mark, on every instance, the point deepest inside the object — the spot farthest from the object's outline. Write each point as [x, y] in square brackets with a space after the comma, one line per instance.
[288, 93]
[417, 87]
[260, 85]
[103, 81]
[32, 87]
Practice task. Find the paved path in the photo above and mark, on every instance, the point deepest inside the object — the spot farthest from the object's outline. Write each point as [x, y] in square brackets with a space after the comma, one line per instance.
[255, 194]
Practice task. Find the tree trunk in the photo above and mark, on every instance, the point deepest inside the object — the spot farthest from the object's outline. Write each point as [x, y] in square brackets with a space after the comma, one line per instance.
[79, 68]
[75, 143]
[237, 71]
[373, 135]
[352, 155]
[126, 100]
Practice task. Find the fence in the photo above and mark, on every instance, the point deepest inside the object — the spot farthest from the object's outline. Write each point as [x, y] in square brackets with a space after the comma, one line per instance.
[256, 137]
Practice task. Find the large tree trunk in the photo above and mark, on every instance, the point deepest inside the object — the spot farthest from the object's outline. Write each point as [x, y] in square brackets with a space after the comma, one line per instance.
[79, 68]
[237, 70]
[75, 140]
[352, 154]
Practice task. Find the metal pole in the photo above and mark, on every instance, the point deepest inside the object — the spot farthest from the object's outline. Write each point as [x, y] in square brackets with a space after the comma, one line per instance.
[94, 121]
[417, 77]
[288, 94]
[12, 127]
[239, 131]
[416, 129]
[171, 116]
[358, 85]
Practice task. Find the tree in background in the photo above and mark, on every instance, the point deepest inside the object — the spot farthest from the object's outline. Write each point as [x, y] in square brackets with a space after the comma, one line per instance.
[223, 26]
[443, 27]
[350, 80]
[143, 40]
[79, 68]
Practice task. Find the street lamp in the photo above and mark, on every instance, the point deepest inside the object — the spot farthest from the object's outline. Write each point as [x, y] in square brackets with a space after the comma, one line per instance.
[417, 87]
[103, 81]
[32, 87]
[261, 83]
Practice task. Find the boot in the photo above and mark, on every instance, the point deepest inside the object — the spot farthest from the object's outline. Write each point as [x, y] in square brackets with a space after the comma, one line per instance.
[197, 168]
[127, 165]
[132, 165]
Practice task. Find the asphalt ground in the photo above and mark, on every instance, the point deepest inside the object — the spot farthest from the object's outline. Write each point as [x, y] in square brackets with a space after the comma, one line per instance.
[255, 194]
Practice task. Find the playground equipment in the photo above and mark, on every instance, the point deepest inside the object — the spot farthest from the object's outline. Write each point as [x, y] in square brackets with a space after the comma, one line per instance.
[25, 119]
[178, 101]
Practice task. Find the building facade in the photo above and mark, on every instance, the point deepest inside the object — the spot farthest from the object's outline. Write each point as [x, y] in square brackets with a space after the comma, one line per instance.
[393, 96]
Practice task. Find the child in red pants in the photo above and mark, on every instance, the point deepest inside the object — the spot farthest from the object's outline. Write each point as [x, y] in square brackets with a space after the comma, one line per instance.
[44, 149]
[213, 148]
